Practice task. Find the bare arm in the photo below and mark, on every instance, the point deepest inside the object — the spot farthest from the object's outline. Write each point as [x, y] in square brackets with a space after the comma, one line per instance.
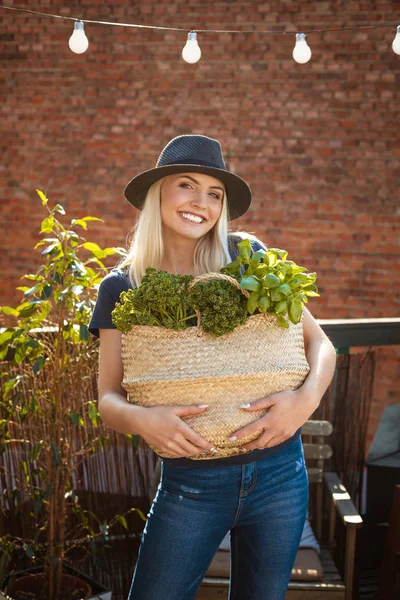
[160, 426]
[114, 407]
[321, 357]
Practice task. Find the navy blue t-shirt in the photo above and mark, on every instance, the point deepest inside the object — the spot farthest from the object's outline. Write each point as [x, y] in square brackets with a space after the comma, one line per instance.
[110, 288]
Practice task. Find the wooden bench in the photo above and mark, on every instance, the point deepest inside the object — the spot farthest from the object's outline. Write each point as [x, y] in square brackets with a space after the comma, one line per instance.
[326, 490]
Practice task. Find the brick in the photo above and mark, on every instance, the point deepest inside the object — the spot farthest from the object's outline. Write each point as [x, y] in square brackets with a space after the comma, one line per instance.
[318, 143]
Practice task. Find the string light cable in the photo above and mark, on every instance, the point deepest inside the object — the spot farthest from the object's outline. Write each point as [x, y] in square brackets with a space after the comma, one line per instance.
[191, 52]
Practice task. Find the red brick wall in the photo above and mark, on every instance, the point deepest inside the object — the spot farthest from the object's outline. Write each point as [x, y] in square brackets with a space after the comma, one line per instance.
[318, 143]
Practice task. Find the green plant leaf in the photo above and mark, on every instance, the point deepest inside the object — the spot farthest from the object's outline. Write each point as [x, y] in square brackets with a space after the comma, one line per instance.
[58, 208]
[46, 292]
[92, 219]
[23, 413]
[281, 307]
[281, 253]
[77, 420]
[93, 413]
[20, 354]
[38, 364]
[37, 506]
[50, 249]
[295, 310]
[48, 490]
[276, 296]
[95, 250]
[47, 225]
[27, 309]
[32, 344]
[6, 336]
[122, 520]
[250, 283]
[8, 310]
[282, 321]
[245, 249]
[83, 332]
[252, 302]
[28, 551]
[35, 451]
[261, 271]
[284, 289]
[42, 197]
[81, 222]
[264, 303]
[11, 384]
[56, 453]
[270, 281]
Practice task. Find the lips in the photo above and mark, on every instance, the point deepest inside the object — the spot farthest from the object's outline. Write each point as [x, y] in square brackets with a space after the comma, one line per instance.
[194, 214]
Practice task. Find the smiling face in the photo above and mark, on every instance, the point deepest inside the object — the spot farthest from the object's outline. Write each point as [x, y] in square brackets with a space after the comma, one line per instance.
[191, 204]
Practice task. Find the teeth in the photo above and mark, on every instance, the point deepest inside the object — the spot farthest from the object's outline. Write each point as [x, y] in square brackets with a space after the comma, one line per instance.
[192, 218]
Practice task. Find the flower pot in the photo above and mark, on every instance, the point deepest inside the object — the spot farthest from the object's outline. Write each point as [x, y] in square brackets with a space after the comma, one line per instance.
[94, 591]
[75, 588]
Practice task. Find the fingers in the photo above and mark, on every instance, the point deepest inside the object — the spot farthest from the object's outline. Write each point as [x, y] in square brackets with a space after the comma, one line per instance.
[247, 430]
[263, 442]
[260, 404]
[187, 432]
[183, 448]
[191, 409]
[194, 438]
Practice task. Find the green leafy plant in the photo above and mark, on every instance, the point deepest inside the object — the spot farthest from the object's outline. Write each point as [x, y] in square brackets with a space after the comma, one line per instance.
[276, 285]
[162, 299]
[49, 422]
[222, 306]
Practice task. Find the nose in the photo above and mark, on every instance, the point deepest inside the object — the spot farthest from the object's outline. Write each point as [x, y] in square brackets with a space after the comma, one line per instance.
[200, 200]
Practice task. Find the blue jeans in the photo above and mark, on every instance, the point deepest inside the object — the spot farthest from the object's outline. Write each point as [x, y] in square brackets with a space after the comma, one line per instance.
[263, 504]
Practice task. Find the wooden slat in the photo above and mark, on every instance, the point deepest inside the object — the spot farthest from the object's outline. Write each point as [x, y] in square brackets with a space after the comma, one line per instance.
[342, 501]
[315, 474]
[317, 451]
[317, 428]
[329, 588]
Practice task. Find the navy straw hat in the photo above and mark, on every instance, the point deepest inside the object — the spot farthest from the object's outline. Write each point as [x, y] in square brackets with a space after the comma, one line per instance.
[198, 154]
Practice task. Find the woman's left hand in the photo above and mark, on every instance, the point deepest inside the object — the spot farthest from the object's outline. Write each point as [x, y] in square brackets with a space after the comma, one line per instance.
[287, 411]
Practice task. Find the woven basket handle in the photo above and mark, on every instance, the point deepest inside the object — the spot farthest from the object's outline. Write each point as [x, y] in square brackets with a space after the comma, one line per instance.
[215, 276]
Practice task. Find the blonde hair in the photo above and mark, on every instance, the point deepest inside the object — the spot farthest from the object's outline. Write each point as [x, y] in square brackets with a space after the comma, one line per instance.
[146, 246]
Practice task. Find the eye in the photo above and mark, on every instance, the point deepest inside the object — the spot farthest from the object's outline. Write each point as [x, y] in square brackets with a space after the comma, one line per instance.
[216, 196]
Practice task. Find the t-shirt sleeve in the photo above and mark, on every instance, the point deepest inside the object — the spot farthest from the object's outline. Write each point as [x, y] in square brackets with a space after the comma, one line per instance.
[238, 236]
[257, 244]
[108, 295]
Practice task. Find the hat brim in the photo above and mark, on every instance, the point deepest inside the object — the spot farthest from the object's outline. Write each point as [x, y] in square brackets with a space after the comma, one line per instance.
[238, 191]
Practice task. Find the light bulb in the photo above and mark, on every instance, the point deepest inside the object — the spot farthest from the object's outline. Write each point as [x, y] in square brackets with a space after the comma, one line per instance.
[78, 41]
[396, 42]
[191, 53]
[301, 51]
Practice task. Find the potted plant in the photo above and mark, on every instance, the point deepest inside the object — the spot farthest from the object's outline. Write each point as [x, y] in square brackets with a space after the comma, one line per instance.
[49, 423]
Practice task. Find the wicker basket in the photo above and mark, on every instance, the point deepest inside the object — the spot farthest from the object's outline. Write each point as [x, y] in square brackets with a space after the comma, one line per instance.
[167, 367]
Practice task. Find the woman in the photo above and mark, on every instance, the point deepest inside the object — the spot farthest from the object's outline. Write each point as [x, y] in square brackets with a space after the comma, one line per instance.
[261, 496]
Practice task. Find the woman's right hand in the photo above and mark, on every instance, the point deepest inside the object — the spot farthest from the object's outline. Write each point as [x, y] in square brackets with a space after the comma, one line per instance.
[160, 426]
[163, 428]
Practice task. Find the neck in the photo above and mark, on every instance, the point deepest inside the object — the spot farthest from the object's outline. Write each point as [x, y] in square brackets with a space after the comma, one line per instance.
[178, 257]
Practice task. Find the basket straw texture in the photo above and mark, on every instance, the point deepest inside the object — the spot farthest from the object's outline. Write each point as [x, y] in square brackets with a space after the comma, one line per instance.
[167, 367]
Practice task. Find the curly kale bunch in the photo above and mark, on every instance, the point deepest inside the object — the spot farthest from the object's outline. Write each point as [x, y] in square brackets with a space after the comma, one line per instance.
[161, 299]
[221, 305]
